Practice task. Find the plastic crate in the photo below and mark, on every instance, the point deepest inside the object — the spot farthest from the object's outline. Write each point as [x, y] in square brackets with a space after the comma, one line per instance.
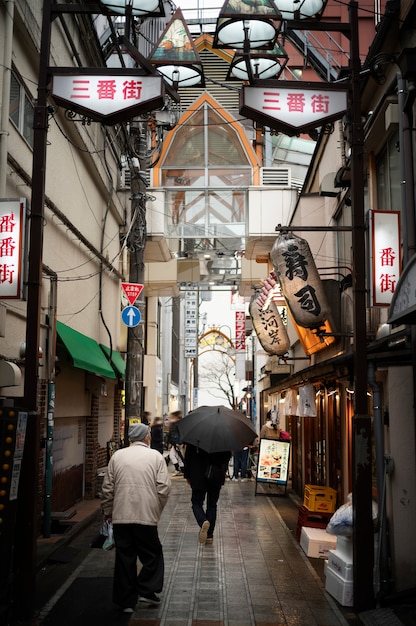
[318, 498]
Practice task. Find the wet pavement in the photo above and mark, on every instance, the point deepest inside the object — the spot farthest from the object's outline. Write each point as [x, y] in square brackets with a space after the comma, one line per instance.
[255, 572]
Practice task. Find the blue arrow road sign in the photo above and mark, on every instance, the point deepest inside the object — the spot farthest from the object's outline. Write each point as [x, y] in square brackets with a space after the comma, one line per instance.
[131, 316]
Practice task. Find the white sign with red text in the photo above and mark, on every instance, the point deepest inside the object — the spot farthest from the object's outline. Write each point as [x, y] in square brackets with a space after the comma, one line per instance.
[386, 266]
[298, 107]
[12, 230]
[107, 96]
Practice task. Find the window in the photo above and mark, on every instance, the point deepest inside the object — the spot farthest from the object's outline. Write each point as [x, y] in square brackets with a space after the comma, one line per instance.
[388, 176]
[21, 109]
[206, 173]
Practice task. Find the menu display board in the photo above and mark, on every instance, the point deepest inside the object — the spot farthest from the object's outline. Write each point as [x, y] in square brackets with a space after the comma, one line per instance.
[273, 463]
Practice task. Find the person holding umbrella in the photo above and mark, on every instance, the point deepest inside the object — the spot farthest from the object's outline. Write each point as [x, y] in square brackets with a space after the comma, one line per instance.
[211, 432]
[205, 474]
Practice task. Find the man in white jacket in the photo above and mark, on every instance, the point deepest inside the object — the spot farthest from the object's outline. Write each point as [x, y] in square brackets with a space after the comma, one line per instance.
[134, 492]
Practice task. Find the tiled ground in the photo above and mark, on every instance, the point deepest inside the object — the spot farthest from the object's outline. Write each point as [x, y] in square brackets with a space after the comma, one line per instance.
[253, 573]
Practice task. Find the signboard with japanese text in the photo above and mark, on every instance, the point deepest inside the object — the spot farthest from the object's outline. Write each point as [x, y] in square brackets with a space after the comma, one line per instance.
[386, 266]
[240, 330]
[191, 323]
[106, 95]
[12, 231]
[132, 291]
[293, 107]
[273, 462]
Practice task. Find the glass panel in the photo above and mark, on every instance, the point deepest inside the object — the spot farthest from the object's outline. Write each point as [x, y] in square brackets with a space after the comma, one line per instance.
[183, 178]
[27, 130]
[188, 147]
[229, 178]
[224, 144]
[14, 109]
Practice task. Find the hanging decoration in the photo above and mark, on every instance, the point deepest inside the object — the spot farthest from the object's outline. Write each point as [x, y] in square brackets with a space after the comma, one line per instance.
[290, 404]
[306, 404]
[269, 327]
[301, 285]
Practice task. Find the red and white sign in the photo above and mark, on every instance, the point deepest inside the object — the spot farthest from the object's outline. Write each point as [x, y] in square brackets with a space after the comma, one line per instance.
[240, 330]
[132, 291]
[293, 107]
[12, 229]
[386, 266]
[108, 96]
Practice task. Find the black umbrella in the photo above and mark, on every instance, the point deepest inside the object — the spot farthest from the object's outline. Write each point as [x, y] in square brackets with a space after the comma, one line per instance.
[216, 429]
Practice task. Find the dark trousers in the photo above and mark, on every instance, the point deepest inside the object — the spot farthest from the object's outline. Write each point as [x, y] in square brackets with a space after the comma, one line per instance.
[132, 541]
[210, 513]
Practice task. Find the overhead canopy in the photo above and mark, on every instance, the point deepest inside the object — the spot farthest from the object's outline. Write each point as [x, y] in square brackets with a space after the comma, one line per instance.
[117, 361]
[85, 352]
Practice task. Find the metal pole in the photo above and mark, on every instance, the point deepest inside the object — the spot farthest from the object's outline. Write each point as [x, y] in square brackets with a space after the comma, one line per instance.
[26, 531]
[363, 538]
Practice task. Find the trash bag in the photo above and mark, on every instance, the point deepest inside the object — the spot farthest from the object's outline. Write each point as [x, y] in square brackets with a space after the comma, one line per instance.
[102, 535]
[341, 523]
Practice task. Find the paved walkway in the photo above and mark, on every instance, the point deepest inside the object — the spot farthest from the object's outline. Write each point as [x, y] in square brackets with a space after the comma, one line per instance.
[254, 573]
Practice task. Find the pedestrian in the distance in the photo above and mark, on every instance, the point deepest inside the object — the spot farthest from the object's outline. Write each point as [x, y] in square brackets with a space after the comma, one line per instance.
[240, 458]
[205, 472]
[134, 492]
[156, 434]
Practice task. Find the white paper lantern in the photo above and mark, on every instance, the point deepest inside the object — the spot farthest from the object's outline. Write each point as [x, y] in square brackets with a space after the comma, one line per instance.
[269, 328]
[301, 285]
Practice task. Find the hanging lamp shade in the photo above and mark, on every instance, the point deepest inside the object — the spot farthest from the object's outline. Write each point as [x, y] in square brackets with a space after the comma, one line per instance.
[138, 8]
[269, 327]
[247, 24]
[301, 285]
[257, 65]
[301, 9]
[175, 56]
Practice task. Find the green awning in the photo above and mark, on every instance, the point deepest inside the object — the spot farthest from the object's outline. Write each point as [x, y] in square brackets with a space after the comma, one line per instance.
[117, 361]
[85, 352]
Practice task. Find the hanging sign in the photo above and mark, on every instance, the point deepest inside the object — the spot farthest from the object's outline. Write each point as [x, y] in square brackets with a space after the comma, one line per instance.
[269, 327]
[106, 95]
[12, 229]
[132, 291]
[386, 267]
[301, 285]
[293, 106]
[240, 331]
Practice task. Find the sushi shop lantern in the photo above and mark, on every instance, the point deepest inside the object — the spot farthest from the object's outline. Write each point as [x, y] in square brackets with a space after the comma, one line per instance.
[300, 282]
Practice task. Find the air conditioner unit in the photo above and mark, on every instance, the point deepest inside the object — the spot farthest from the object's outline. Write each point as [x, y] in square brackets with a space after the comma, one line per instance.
[280, 176]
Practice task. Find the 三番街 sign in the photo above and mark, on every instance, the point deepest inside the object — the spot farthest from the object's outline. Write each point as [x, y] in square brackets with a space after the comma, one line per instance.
[292, 107]
[107, 95]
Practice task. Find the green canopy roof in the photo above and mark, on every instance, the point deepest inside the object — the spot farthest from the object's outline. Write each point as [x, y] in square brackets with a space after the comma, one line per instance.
[85, 352]
[117, 361]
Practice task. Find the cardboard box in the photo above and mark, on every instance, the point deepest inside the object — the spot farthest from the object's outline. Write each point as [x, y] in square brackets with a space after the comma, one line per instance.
[316, 542]
[318, 498]
[340, 589]
[340, 564]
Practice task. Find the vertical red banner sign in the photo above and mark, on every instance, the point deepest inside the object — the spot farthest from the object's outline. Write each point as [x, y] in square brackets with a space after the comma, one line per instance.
[240, 330]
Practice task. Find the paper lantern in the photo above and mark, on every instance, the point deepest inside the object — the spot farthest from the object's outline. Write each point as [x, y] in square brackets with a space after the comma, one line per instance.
[269, 327]
[301, 285]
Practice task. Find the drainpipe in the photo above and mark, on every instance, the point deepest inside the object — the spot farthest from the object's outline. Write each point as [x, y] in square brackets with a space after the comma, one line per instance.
[47, 508]
[5, 94]
[382, 573]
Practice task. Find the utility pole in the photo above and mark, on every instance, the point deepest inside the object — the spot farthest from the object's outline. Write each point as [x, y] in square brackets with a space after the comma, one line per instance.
[136, 243]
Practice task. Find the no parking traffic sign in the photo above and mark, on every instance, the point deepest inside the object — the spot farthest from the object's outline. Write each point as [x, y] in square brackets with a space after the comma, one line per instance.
[131, 316]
